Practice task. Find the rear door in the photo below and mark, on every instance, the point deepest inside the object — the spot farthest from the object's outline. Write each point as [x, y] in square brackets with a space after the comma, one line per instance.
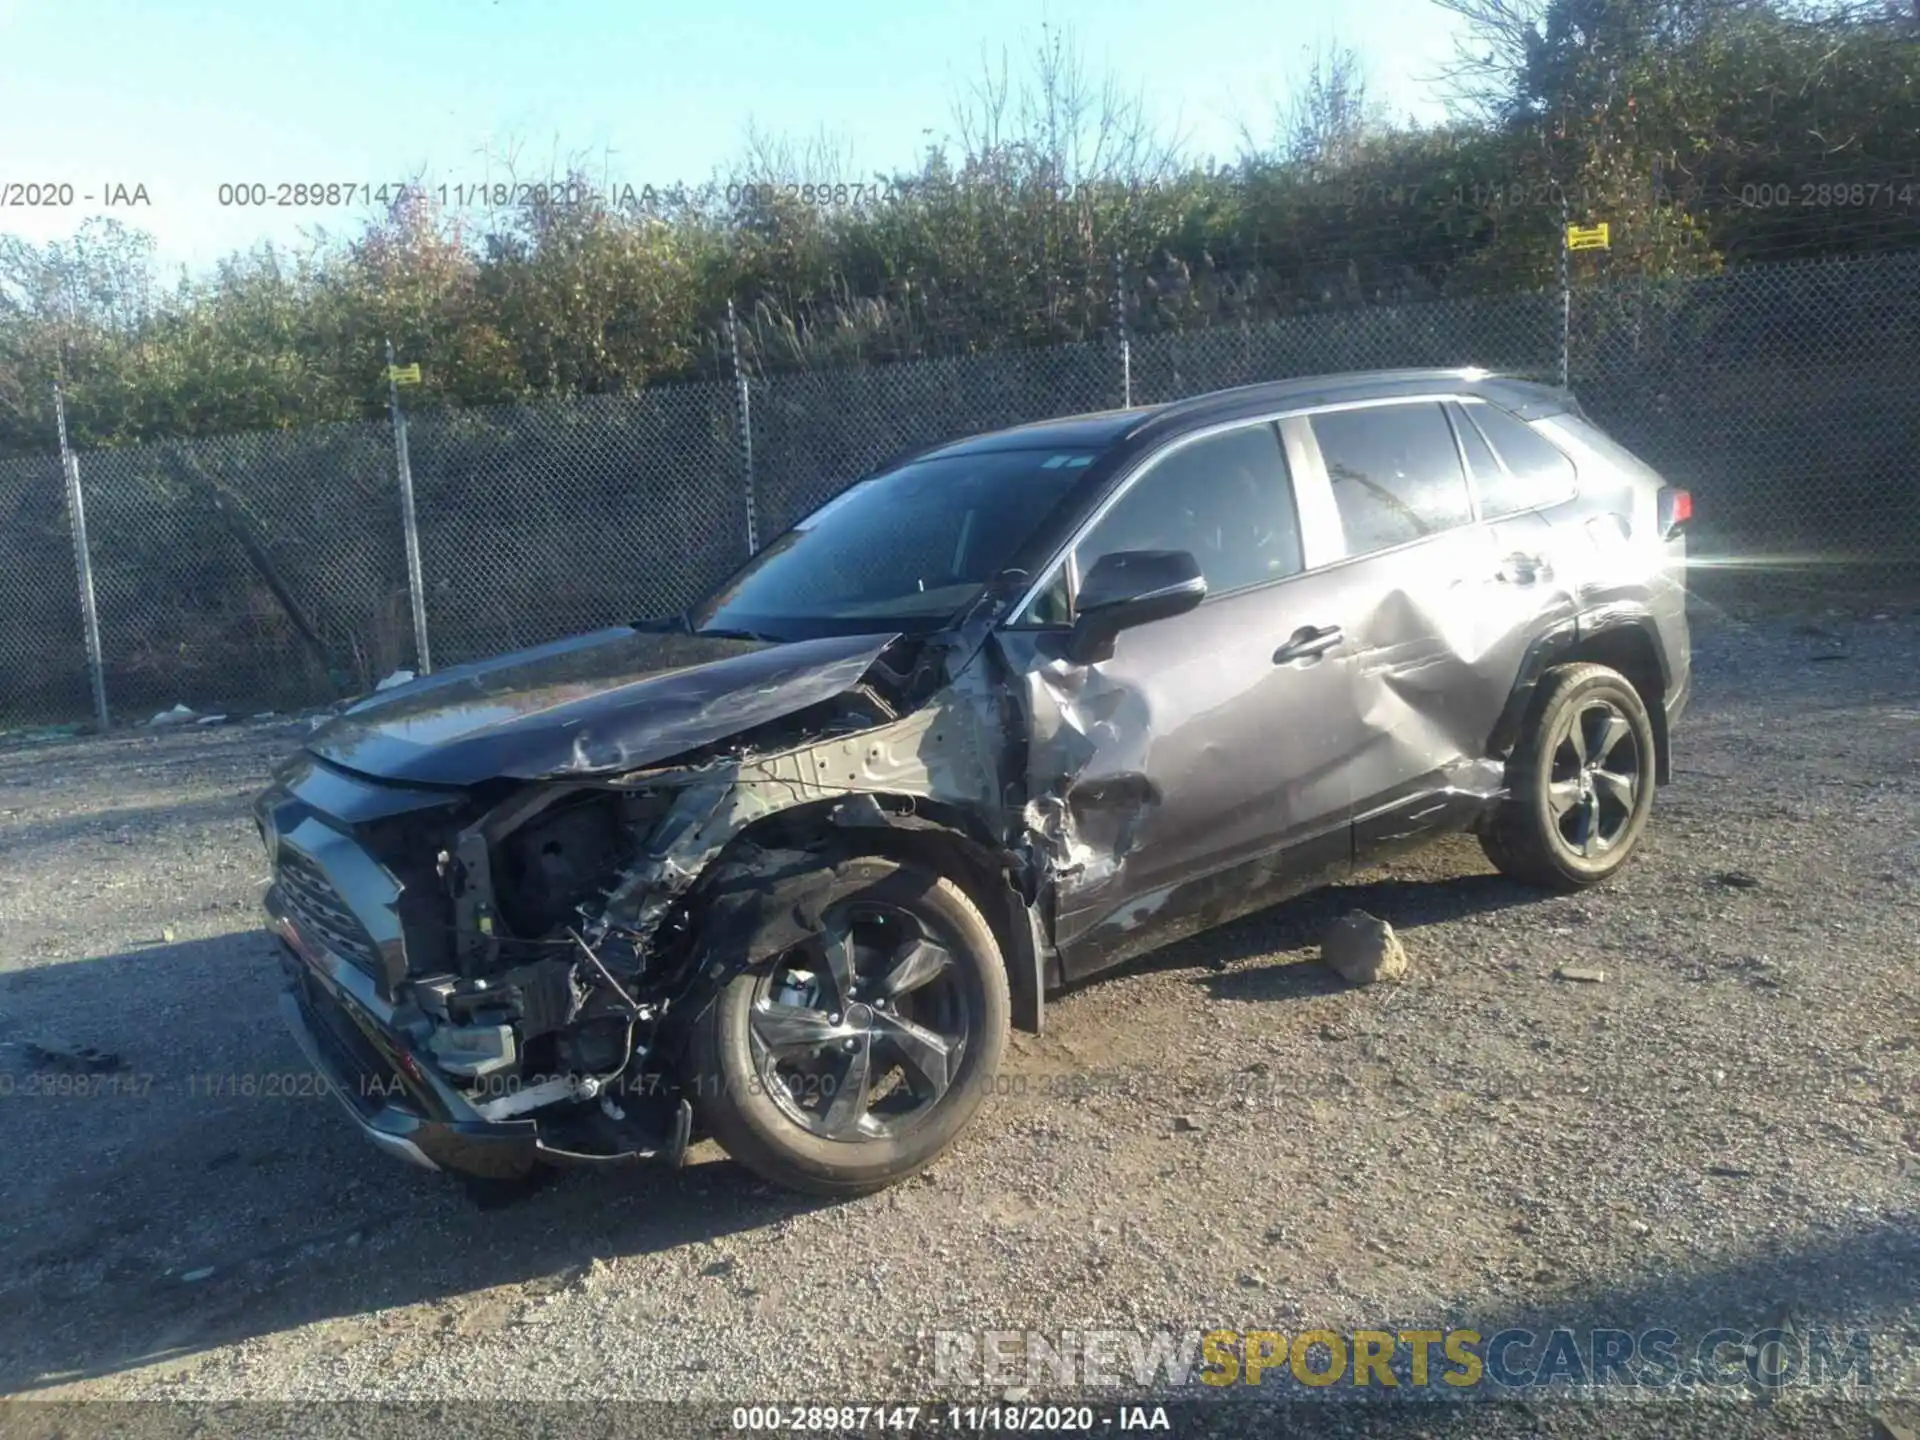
[1436, 622]
[1518, 477]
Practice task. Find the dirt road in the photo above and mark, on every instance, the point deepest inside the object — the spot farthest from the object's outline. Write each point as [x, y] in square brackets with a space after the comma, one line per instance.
[1221, 1136]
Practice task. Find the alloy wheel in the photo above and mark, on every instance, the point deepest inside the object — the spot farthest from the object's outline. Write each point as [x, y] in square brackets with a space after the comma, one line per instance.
[1596, 776]
[857, 1033]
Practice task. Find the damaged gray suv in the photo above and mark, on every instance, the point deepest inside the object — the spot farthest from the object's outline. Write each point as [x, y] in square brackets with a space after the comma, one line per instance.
[784, 870]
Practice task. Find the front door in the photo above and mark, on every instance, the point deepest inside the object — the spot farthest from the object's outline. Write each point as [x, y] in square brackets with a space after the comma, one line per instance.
[1202, 769]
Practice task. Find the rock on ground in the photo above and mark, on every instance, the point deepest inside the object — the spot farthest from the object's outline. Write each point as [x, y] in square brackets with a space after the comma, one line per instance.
[1363, 949]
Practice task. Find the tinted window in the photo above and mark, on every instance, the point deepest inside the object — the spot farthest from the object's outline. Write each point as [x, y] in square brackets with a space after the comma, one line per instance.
[1396, 474]
[908, 549]
[1536, 473]
[1225, 500]
[1606, 449]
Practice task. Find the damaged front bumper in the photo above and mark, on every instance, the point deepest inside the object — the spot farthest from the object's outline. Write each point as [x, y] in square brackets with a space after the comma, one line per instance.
[502, 976]
[397, 1096]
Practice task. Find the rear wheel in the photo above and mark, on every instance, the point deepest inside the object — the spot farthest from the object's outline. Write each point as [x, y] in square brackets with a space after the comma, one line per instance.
[845, 1062]
[1580, 782]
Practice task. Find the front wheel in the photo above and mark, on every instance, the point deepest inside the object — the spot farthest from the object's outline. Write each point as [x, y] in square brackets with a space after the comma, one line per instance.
[1580, 782]
[845, 1062]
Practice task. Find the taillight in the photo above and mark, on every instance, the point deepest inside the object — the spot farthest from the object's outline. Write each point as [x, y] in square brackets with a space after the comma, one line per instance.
[1676, 508]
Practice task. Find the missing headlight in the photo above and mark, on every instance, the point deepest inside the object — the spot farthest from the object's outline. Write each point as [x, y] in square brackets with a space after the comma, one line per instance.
[569, 854]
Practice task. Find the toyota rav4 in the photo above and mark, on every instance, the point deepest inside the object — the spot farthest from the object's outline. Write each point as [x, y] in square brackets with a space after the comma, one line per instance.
[785, 869]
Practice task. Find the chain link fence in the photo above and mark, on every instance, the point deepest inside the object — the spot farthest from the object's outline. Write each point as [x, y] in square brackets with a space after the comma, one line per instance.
[246, 571]
[43, 657]
[1783, 396]
[1514, 333]
[815, 431]
[268, 571]
[542, 521]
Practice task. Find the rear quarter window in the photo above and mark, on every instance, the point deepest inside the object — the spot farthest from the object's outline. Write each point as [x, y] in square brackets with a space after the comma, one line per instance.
[1609, 451]
[1528, 470]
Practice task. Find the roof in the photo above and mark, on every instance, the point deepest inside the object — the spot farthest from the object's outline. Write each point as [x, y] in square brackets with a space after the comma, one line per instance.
[1525, 397]
[1092, 431]
[1097, 430]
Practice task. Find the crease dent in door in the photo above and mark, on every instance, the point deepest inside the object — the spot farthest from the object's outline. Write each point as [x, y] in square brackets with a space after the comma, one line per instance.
[1090, 741]
[1439, 659]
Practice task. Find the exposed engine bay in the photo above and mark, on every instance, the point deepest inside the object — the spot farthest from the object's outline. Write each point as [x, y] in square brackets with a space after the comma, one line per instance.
[547, 932]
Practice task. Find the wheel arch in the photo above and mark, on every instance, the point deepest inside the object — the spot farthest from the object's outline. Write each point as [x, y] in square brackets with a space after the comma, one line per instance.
[900, 826]
[1624, 641]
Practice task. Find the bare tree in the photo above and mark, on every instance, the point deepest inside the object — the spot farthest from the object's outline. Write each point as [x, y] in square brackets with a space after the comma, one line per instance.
[1058, 123]
[1327, 117]
[1491, 56]
[1331, 113]
[769, 159]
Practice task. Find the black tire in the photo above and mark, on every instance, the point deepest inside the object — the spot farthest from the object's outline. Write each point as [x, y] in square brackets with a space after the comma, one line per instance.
[778, 1097]
[1571, 818]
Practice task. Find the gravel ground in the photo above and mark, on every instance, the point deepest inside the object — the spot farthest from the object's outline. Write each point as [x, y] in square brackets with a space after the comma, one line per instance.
[1222, 1135]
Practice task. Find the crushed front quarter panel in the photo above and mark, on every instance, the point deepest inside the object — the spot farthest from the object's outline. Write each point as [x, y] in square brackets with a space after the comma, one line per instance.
[946, 751]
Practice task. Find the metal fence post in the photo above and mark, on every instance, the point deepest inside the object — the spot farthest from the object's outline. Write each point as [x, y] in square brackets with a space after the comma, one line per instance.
[1566, 293]
[416, 586]
[1126, 344]
[746, 426]
[82, 562]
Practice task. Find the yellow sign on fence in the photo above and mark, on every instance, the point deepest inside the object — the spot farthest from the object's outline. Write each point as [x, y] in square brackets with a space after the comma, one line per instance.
[1588, 237]
[410, 374]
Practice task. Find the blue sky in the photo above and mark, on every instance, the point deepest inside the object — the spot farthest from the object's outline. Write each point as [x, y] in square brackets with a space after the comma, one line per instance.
[180, 96]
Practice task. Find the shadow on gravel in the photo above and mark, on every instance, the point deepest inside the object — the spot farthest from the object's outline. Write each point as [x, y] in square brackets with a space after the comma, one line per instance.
[1406, 903]
[160, 1209]
[209, 1192]
[1868, 1276]
[168, 1213]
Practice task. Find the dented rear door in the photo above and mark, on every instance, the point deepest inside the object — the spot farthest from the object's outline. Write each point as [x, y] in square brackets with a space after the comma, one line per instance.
[1439, 609]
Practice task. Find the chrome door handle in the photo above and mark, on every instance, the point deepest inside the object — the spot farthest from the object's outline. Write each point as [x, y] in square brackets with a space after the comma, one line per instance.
[1307, 642]
[1523, 569]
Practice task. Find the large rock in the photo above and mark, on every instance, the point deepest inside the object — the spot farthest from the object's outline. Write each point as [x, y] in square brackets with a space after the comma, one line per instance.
[1364, 949]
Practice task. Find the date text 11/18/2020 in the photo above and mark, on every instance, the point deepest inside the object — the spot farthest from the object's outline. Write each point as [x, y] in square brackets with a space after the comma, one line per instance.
[956, 1419]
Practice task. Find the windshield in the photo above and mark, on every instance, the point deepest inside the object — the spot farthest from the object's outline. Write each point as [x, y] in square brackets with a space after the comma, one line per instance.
[905, 550]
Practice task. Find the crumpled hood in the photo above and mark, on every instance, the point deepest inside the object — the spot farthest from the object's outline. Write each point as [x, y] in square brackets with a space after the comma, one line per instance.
[600, 703]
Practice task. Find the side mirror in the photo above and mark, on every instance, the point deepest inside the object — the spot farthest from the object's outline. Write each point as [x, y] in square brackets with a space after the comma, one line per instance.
[1129, 588]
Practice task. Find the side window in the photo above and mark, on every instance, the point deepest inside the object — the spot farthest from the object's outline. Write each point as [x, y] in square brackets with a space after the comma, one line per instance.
[1226, 500]
[1535, 472]
[1395, 472]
